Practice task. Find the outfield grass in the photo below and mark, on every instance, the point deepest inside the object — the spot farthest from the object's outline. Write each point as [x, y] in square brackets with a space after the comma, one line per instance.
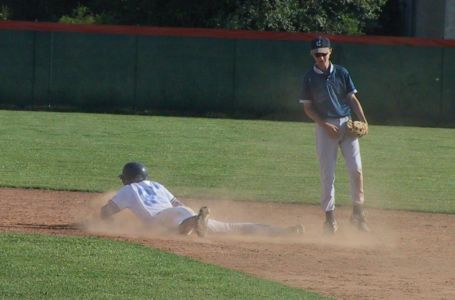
[45, 267]
[405, 167]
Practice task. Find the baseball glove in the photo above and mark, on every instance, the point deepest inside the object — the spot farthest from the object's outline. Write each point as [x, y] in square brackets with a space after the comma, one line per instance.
[357, 128]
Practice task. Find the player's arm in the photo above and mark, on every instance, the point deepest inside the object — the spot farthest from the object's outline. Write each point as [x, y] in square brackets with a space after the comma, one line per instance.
[309, 111]
[108, 210]
[331, 129]
[357, 107]
[352, 99]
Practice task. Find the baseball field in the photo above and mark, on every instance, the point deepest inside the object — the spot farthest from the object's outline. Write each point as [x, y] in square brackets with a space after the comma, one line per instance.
[57, 169]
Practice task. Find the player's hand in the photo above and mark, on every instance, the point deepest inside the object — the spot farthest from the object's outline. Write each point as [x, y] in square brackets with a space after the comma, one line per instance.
[332, 130]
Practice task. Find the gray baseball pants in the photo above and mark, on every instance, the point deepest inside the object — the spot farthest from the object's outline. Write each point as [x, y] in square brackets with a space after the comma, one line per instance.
[327, 150]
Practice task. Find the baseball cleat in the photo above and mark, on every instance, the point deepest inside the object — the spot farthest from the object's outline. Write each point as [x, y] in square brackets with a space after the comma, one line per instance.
[330, 224]
[330, 227]
[358, 219]
[296, 230]
[188, 225]
[360, 223]
[196, 223]
[201, 221]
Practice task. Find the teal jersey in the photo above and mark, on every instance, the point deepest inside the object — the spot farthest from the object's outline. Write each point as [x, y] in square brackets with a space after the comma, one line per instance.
[328, 92]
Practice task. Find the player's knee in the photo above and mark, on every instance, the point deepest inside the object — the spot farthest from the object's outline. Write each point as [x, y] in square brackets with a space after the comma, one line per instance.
[356, 173]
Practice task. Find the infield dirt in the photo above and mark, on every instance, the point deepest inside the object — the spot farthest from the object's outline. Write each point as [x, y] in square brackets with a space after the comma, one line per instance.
[407, 255]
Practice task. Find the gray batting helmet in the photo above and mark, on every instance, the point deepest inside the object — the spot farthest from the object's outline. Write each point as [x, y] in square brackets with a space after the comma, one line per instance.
[133, 172]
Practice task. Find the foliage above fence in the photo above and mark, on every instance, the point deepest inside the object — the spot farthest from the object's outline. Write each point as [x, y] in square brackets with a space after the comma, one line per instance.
[330, 16]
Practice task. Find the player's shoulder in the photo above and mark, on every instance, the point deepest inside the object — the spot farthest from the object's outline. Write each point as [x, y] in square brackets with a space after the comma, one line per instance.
[154, 184]
[123, 194]
[125, 187]
[142, 182]
[309, 74]
[137, 185]
[340, 69]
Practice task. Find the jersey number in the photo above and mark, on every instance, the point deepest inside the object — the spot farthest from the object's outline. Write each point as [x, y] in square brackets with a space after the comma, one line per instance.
[147, 194]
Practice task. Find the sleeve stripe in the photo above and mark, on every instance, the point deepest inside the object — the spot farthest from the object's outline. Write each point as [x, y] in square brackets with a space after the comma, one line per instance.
[352, 92]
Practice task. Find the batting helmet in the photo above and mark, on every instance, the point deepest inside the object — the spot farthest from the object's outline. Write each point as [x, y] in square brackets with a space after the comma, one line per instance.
[133, 172]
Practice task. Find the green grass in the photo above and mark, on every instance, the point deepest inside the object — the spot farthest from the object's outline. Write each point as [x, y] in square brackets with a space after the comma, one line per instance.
[405, 167]
[44, 267]
[411, 168]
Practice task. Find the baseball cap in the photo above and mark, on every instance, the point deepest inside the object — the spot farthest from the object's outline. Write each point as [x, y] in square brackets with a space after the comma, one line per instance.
[320, 45]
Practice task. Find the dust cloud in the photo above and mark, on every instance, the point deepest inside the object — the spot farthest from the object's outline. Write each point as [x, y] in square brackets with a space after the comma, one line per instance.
[125, 224]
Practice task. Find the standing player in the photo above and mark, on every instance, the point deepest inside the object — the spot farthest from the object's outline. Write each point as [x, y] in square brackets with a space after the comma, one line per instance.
[157, 207]
[328, 97]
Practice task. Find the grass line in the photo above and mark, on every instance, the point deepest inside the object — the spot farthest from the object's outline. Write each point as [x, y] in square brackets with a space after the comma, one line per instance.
[405, 167]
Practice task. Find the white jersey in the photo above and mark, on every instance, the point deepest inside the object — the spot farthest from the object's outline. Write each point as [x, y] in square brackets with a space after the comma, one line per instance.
[153, 204]
[145, 199]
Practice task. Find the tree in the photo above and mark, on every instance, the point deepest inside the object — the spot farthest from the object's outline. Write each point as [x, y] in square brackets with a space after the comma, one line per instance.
[83, 15]
[330, 16]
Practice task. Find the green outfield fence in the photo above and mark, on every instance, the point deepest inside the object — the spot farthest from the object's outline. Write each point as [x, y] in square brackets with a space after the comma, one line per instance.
[131, 68]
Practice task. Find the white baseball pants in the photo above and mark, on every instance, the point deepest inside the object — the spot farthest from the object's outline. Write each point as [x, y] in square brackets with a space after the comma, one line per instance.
[172, 217]
[327, 150]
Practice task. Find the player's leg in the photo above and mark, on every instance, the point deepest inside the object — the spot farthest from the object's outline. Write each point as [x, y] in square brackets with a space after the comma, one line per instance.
[248, 228]
[172, 218]
[327, 149]
[350, 149]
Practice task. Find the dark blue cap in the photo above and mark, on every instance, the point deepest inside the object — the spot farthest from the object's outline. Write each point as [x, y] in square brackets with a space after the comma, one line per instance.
[320, 43]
